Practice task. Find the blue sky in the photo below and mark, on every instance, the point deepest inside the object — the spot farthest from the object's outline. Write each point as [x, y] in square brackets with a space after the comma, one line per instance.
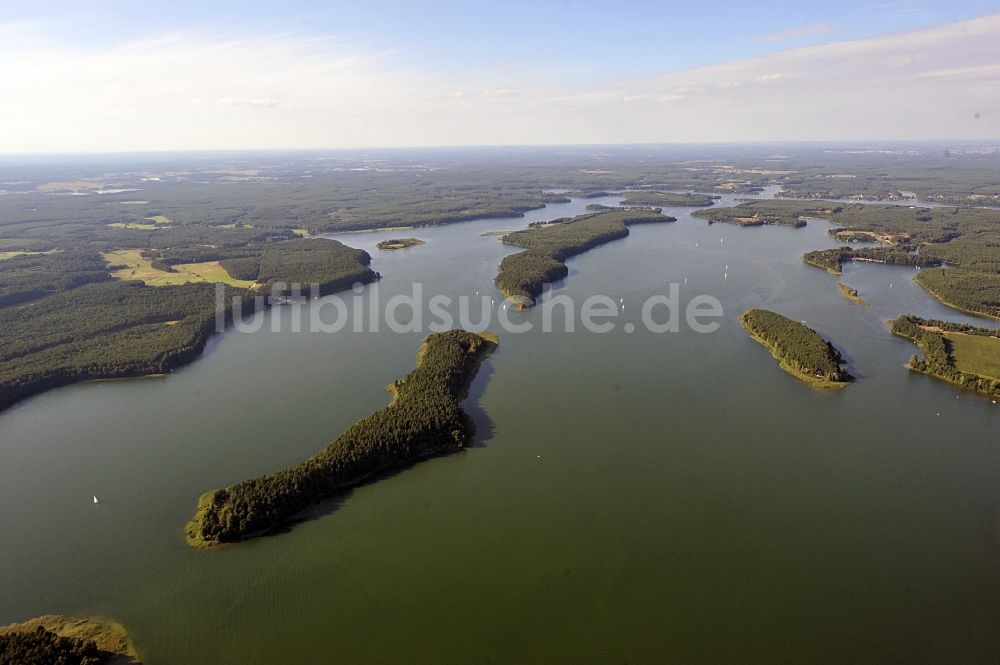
[583, 39]
[87, 75]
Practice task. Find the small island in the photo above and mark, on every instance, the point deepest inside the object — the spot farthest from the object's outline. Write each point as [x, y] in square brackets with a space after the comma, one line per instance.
[798, 348]
[59, 639]
[522, 276]
[967, 356]
[666, 199]
[399, 243]
[424, 419]
[851, 294]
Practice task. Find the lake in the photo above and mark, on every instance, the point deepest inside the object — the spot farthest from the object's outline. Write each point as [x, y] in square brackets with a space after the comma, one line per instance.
[633, 498]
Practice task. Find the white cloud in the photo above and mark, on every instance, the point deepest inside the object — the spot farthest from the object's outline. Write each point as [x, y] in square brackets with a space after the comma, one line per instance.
[255, 103]
[188, 92]
[796, 33]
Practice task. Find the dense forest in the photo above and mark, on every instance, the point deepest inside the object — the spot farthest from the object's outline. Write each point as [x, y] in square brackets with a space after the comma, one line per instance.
[938, 359]
[975, 292]
[522, 276]
[250, 199]
[28, 277]
[43, 647]
[759, 213]
[66, 320]
[833, 259]
[799, 348]
[665, 199]
[330, 264]
[105, 330]
[425, 418]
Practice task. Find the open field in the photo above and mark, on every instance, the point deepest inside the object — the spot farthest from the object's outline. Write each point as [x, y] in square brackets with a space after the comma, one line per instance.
[136, 226]
[976, 354]
[10, 255]
[139, 267]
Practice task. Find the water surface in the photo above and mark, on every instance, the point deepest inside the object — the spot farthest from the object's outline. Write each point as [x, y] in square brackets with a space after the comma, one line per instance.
[634, 498]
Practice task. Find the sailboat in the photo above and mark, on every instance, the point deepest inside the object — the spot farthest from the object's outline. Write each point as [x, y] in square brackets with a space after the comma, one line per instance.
[96, 500]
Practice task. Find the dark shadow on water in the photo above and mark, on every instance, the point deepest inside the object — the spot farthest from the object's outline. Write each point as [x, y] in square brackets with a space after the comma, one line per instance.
[485, 428]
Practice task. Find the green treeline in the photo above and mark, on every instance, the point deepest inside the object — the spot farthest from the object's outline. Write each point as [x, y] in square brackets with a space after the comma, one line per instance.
[27, 277]
[759, 213]
[799, 349]
[425, 418]
[43, 647]
[938, 359]
[975, 292]
[329, 263]
[66, 320]
[833, 259]
[665, 199]
[105, 330]
[522, 276]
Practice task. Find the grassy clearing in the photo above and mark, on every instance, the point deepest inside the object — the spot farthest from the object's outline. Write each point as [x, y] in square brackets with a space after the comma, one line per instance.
[376, 230]
[192, 530]
[138, 226]
[976, 354]
[9, 255]
[151, 224]
[136, 266]
[110, 636]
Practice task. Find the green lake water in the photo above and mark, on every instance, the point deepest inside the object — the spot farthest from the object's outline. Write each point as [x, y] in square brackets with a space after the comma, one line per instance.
[633, 498]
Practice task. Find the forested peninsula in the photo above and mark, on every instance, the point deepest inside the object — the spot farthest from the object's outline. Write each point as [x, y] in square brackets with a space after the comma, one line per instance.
[968, 291]
[66, 319]
[522, 276]
[799, 349]
[832, 260]
[425, 418]
[967, 356]
[58, 640]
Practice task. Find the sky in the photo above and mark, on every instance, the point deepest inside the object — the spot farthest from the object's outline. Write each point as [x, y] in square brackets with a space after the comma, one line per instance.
[93, 76]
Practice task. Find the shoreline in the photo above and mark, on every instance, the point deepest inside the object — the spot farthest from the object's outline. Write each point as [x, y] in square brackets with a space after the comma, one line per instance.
[207, 501]
[851, 295]
[963, 310]
[808, 379]
[110, 636]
